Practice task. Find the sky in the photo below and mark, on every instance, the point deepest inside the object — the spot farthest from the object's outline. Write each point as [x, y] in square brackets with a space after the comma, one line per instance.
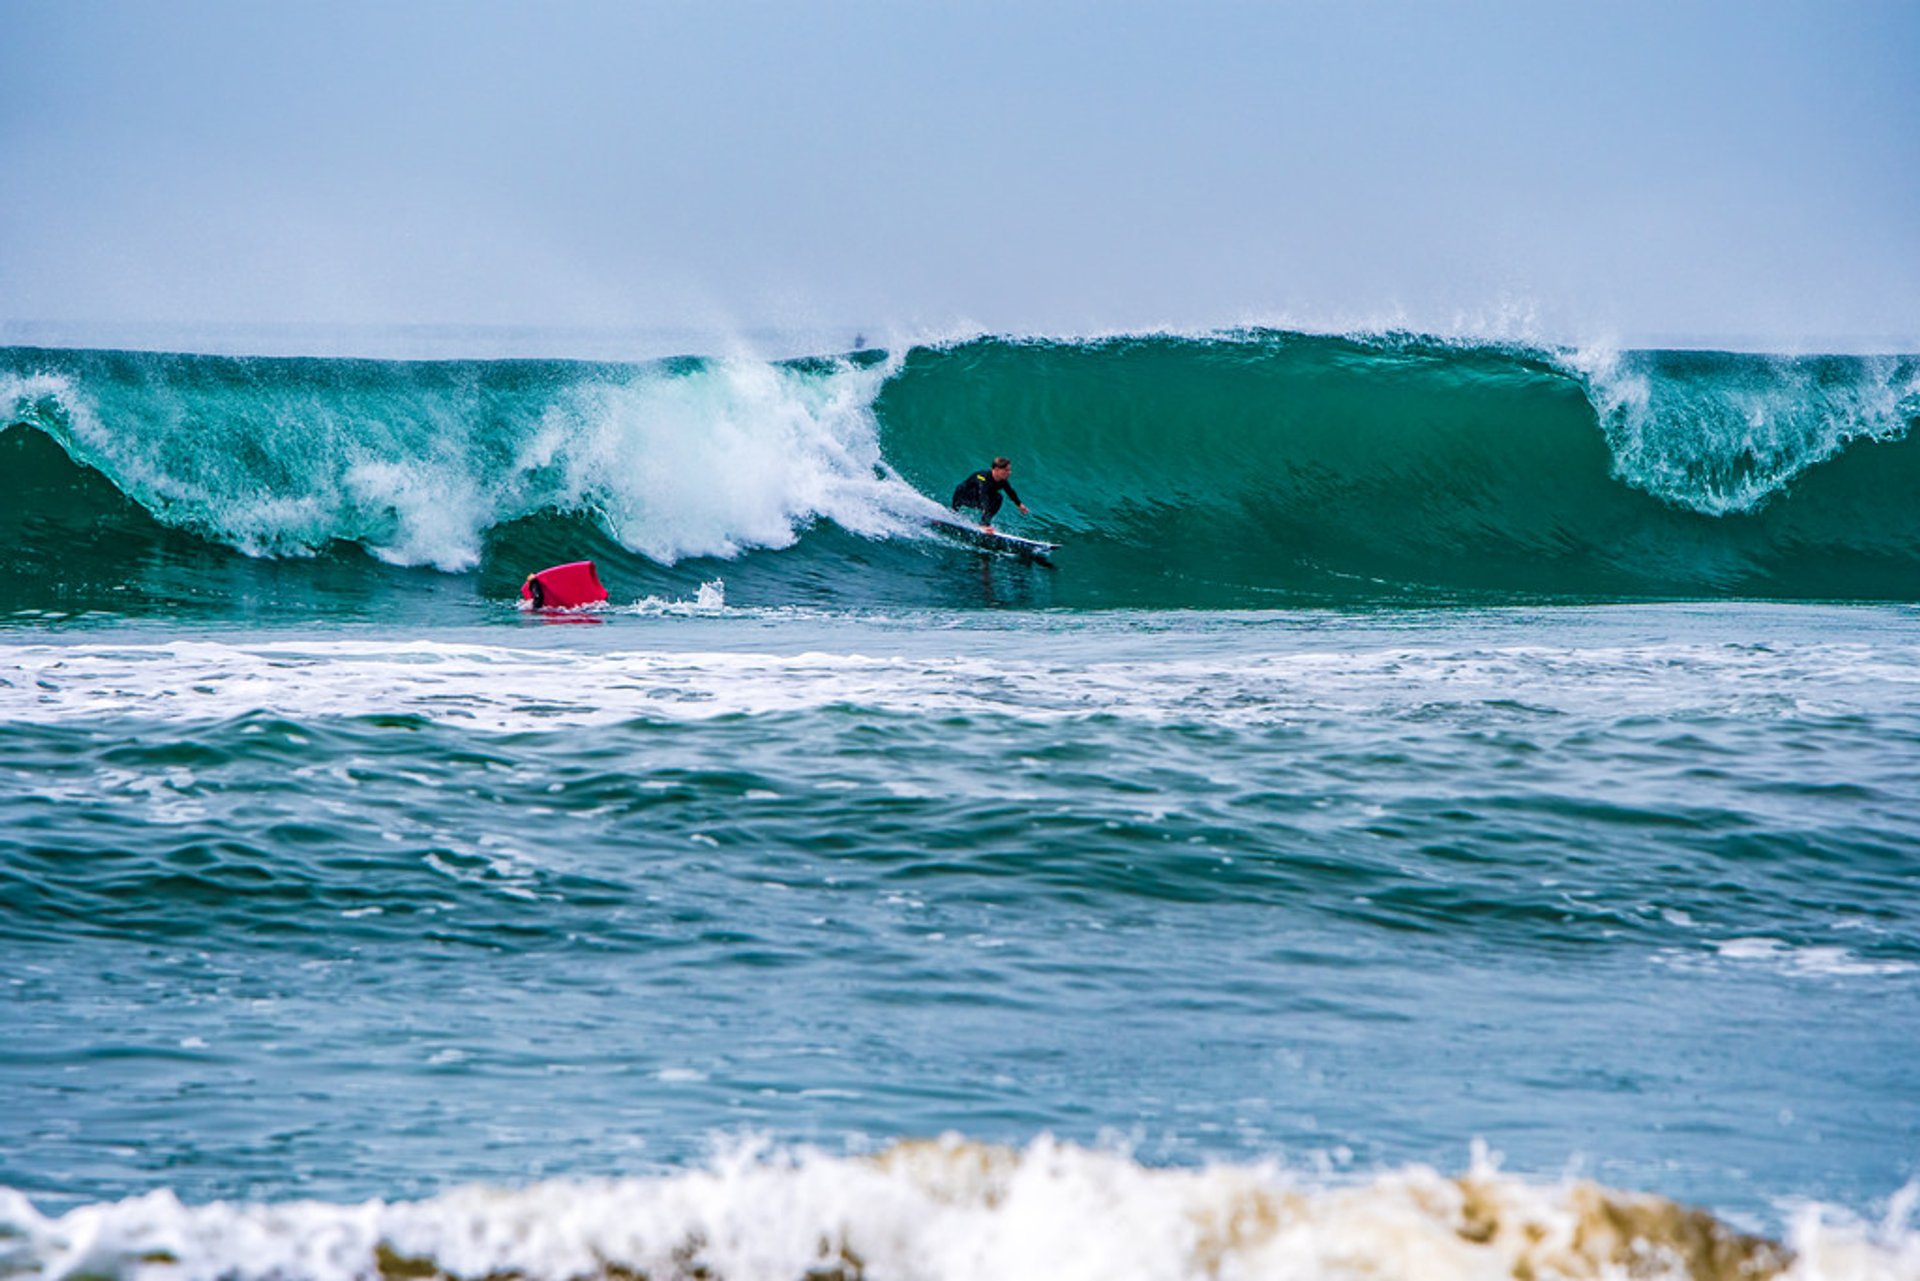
[1744, 172]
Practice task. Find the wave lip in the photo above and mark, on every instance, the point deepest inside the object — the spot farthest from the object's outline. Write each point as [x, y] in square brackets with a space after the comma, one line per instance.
[962, 1210]
[1722, 433]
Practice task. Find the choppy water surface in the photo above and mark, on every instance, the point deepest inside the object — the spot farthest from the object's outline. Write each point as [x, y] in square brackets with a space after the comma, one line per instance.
[342, 913]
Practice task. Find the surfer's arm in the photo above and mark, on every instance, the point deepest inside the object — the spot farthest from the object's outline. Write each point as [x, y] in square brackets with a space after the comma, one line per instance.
[1015, 496]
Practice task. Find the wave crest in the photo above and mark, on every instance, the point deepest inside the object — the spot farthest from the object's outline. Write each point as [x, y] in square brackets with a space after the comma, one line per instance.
[1722, 434]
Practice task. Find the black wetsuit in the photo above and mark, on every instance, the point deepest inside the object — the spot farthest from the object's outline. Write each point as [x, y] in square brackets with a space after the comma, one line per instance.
[982, 491]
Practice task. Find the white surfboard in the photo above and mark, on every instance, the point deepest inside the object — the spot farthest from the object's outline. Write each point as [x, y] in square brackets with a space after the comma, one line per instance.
[1003, 544]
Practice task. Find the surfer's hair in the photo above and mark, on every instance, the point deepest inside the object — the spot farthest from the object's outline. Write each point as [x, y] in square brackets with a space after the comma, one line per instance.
[1003, 462]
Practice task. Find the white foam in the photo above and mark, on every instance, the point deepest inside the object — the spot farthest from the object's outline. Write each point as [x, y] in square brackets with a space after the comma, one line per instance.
[509, 689]
[1811, 960]
[737, 454]
[438, 513]
[709, 600]
[960, 1210]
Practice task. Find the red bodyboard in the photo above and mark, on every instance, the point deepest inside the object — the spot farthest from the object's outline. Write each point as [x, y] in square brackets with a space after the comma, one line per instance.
[564, 586]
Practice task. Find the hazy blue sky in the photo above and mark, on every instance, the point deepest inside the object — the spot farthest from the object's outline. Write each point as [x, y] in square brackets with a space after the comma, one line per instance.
[1635, 170]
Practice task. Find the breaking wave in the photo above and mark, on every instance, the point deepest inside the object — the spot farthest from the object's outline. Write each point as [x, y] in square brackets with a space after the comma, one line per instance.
[1231, 470]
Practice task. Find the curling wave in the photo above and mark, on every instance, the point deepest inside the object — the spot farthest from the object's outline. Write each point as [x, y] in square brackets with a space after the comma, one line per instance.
[1231, 470]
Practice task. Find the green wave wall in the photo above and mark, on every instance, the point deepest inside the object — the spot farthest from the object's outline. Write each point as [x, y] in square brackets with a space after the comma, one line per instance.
[1226, 471]
[1212, 471]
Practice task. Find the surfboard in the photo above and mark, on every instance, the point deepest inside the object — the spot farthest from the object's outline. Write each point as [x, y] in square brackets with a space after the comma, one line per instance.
[1029, 549]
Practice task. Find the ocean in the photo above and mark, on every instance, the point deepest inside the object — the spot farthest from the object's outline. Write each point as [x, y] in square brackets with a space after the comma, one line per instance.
[1450, 810]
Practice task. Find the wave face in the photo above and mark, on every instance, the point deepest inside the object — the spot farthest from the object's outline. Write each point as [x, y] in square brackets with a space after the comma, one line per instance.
[1227, 471]
[1223, 469]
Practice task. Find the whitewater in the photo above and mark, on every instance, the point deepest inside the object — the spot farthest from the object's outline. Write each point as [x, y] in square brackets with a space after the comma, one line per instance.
[1447, 813]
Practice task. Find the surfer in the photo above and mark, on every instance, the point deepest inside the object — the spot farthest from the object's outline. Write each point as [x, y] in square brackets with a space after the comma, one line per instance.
[981, 491]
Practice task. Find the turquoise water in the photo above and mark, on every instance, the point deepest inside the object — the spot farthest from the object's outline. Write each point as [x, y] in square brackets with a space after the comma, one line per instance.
[1448, 803]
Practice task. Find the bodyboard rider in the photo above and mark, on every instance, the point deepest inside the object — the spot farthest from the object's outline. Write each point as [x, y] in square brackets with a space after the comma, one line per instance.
[566, 586]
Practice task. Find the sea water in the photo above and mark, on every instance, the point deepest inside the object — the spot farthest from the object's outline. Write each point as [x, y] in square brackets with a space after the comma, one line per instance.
[1449, 813]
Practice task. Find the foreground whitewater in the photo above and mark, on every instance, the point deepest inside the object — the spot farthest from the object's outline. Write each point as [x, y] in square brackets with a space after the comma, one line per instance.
[962, 1211]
